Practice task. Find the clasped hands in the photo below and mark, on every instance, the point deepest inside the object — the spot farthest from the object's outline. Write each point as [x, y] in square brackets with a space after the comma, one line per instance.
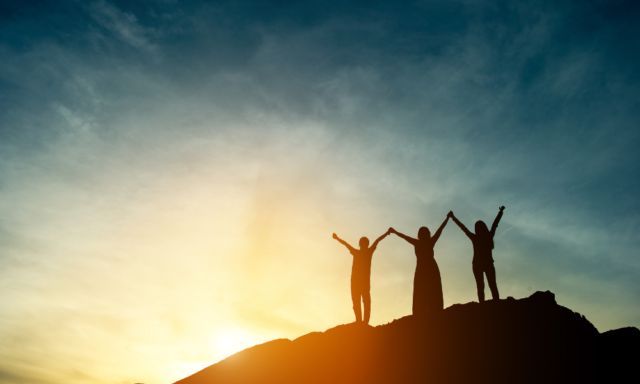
[391, 230]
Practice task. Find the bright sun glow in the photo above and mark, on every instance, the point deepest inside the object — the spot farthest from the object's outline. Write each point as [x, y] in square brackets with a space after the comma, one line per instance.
[229, 341]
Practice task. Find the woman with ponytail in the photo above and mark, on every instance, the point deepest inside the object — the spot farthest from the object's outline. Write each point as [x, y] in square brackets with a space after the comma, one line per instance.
[482, 254]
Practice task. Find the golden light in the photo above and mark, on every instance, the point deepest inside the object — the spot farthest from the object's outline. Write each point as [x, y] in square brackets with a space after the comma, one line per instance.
[233, 340]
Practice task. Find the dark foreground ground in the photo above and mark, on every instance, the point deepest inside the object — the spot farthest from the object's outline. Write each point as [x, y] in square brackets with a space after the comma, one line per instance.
[532, 340]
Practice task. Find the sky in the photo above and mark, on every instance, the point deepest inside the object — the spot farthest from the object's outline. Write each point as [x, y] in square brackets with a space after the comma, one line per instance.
[172, 172]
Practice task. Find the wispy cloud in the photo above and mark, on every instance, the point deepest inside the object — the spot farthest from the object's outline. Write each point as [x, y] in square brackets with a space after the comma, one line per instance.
[124, 25]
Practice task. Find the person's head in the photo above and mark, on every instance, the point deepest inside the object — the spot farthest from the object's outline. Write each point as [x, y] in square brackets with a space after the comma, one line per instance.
[483, 233]
[481, 228]
[364, 243]
[424, 233]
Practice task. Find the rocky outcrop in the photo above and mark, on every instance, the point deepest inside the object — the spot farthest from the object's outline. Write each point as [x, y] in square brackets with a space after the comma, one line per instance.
[532, 340]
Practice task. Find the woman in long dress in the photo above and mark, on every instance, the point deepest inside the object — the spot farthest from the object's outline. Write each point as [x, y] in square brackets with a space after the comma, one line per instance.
[427, 285]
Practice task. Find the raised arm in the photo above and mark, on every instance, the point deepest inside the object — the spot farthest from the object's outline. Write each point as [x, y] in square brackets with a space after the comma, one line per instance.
[496, 221]
[410, 240]
[375, 243]
[464, 229]
[351, 249]
[436, 236]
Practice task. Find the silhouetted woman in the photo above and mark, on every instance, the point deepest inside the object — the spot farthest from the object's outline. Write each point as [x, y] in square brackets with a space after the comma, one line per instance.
[482, 256]
[427, 285]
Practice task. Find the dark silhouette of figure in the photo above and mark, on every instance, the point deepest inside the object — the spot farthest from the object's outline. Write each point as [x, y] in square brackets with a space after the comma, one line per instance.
[361, 275]
[427, 284]
[482, 256]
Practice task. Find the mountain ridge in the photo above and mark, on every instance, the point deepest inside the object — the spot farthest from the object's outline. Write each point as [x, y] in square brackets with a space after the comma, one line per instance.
[527, 340]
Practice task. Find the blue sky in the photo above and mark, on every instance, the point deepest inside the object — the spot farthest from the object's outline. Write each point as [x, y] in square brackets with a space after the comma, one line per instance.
[171, 172]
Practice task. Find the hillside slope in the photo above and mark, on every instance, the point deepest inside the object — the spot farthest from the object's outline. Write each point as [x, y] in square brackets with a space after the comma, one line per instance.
[507, 341]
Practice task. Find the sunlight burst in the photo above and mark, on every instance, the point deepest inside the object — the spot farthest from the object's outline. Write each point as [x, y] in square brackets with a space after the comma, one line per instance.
[230, 341]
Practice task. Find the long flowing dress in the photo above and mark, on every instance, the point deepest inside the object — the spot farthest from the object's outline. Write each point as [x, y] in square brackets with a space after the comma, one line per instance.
[427, 284]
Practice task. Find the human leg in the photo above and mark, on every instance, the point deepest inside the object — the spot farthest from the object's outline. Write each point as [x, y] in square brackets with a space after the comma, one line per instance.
[366, 299]
[355, 297]
[477, 273]
[490, 271]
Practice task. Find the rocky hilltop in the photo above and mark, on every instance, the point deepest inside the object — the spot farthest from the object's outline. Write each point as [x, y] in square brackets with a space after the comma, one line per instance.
[532, 340]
